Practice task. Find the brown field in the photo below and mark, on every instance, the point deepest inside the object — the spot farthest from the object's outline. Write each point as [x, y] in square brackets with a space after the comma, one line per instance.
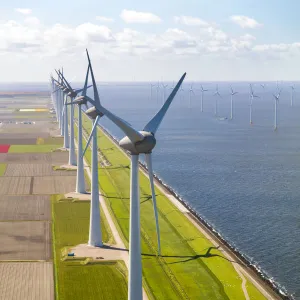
[15, 185]
[25, 208]
[54, 184]
[35, 170]
[25, 240]
[26, 280]
[57, 158]
[13, 141]
[22, 136]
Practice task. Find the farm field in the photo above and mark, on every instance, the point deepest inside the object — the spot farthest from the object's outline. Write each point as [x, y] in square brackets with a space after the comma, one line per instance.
[35, 170]
[32, 148]
[54, 184]
[25, 240]
[15, 185]
[54, 158]
[25, 208]
[26, 280]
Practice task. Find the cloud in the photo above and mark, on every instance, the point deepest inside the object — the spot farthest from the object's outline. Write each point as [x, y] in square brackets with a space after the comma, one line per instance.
[105, 19]
[132, 16]
[33, 21]
[245, 22]
[190, 21]
[94, 33]
[24, 11]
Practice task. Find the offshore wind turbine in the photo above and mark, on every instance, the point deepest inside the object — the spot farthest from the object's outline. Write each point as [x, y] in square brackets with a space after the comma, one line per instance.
[152, 85]
[232, 93]
[139, 142]
[252, 96]
[217, 93]
[276, 97]
[202, 96]
[292, 94]
[191, 91]
[72, 94]
[164, 91]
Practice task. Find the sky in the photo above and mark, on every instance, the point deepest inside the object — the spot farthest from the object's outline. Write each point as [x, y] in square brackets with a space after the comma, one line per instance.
[211, 40]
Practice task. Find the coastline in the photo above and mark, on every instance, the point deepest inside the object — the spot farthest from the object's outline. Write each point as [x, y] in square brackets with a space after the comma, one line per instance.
[252, 270]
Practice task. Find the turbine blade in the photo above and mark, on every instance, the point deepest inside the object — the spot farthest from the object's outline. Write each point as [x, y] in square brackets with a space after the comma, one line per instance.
[80, 90]
[154, 123]
[91, 135]
[96, 94]
[132, 134]
[150, 172]
[86, 81]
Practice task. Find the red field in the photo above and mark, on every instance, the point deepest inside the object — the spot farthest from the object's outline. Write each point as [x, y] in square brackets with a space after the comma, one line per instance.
[4, 148]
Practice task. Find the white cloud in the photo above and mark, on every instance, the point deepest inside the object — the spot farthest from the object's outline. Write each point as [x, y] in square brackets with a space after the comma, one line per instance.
[132, 16]
[190, 21]
[33, 21]
[24, 11]
[245, 22]
[105, 19]
[94, 33]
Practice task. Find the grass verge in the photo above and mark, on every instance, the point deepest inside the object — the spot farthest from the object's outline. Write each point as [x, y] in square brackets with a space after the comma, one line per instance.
[2, 169]
[32, 148]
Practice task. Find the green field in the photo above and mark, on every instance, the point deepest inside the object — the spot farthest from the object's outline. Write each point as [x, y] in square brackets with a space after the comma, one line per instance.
[2, 169]
[75, 280]
[190, 267]
[32, 148]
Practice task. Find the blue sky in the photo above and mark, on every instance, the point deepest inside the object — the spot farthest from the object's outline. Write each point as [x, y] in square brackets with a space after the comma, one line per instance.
[150, 40]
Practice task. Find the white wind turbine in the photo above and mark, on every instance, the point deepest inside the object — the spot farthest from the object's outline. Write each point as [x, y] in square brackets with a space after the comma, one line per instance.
[72, 94]
[152, 85]
[232, 93]
[252, 96]
[292, 94]
[202, 96]
[276, 97]
[263, 85]
[139, 142]
[217, 93]
[191, 91]
[95, 234]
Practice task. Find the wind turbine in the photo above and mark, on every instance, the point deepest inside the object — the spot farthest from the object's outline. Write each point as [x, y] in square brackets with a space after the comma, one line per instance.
[191, 91]
[139, 142]
[252, 96]
[292, 94]
[152, 85]
[81, 100]
[202, 93]
[231, 102]
[217, 93]
[72, 94]
[95, 234]
[276, 97]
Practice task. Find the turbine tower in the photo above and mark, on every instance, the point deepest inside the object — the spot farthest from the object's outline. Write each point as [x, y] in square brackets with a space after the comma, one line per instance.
[164, 91]
[263, 85]
[217, 93]
[202, 96]
[152, 85]
[276, 97]
[191, 91]
[252, 96]
[138, 142]
[292, 94]
[231, 102]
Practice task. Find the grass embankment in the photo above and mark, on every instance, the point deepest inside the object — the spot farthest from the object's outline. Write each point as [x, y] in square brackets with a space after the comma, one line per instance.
[74, 278]
[190, 267]
[2, 169]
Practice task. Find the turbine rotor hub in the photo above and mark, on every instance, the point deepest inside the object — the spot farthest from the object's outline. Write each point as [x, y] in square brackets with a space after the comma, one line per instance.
[93, 113]
[144, 146]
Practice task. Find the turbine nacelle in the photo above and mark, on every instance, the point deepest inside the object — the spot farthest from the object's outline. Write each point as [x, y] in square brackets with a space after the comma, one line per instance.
[145, 146]
[80, 100]
[72, 94]
[93, 113]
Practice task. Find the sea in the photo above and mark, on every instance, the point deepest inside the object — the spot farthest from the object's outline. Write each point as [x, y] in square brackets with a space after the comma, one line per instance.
[243, 179]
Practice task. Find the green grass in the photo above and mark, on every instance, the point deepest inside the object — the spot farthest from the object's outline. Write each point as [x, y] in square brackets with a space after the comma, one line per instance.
[75, 280]
[185, 270]
[2, 169]
[32, 148]
[253, 292]
[58, 141]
